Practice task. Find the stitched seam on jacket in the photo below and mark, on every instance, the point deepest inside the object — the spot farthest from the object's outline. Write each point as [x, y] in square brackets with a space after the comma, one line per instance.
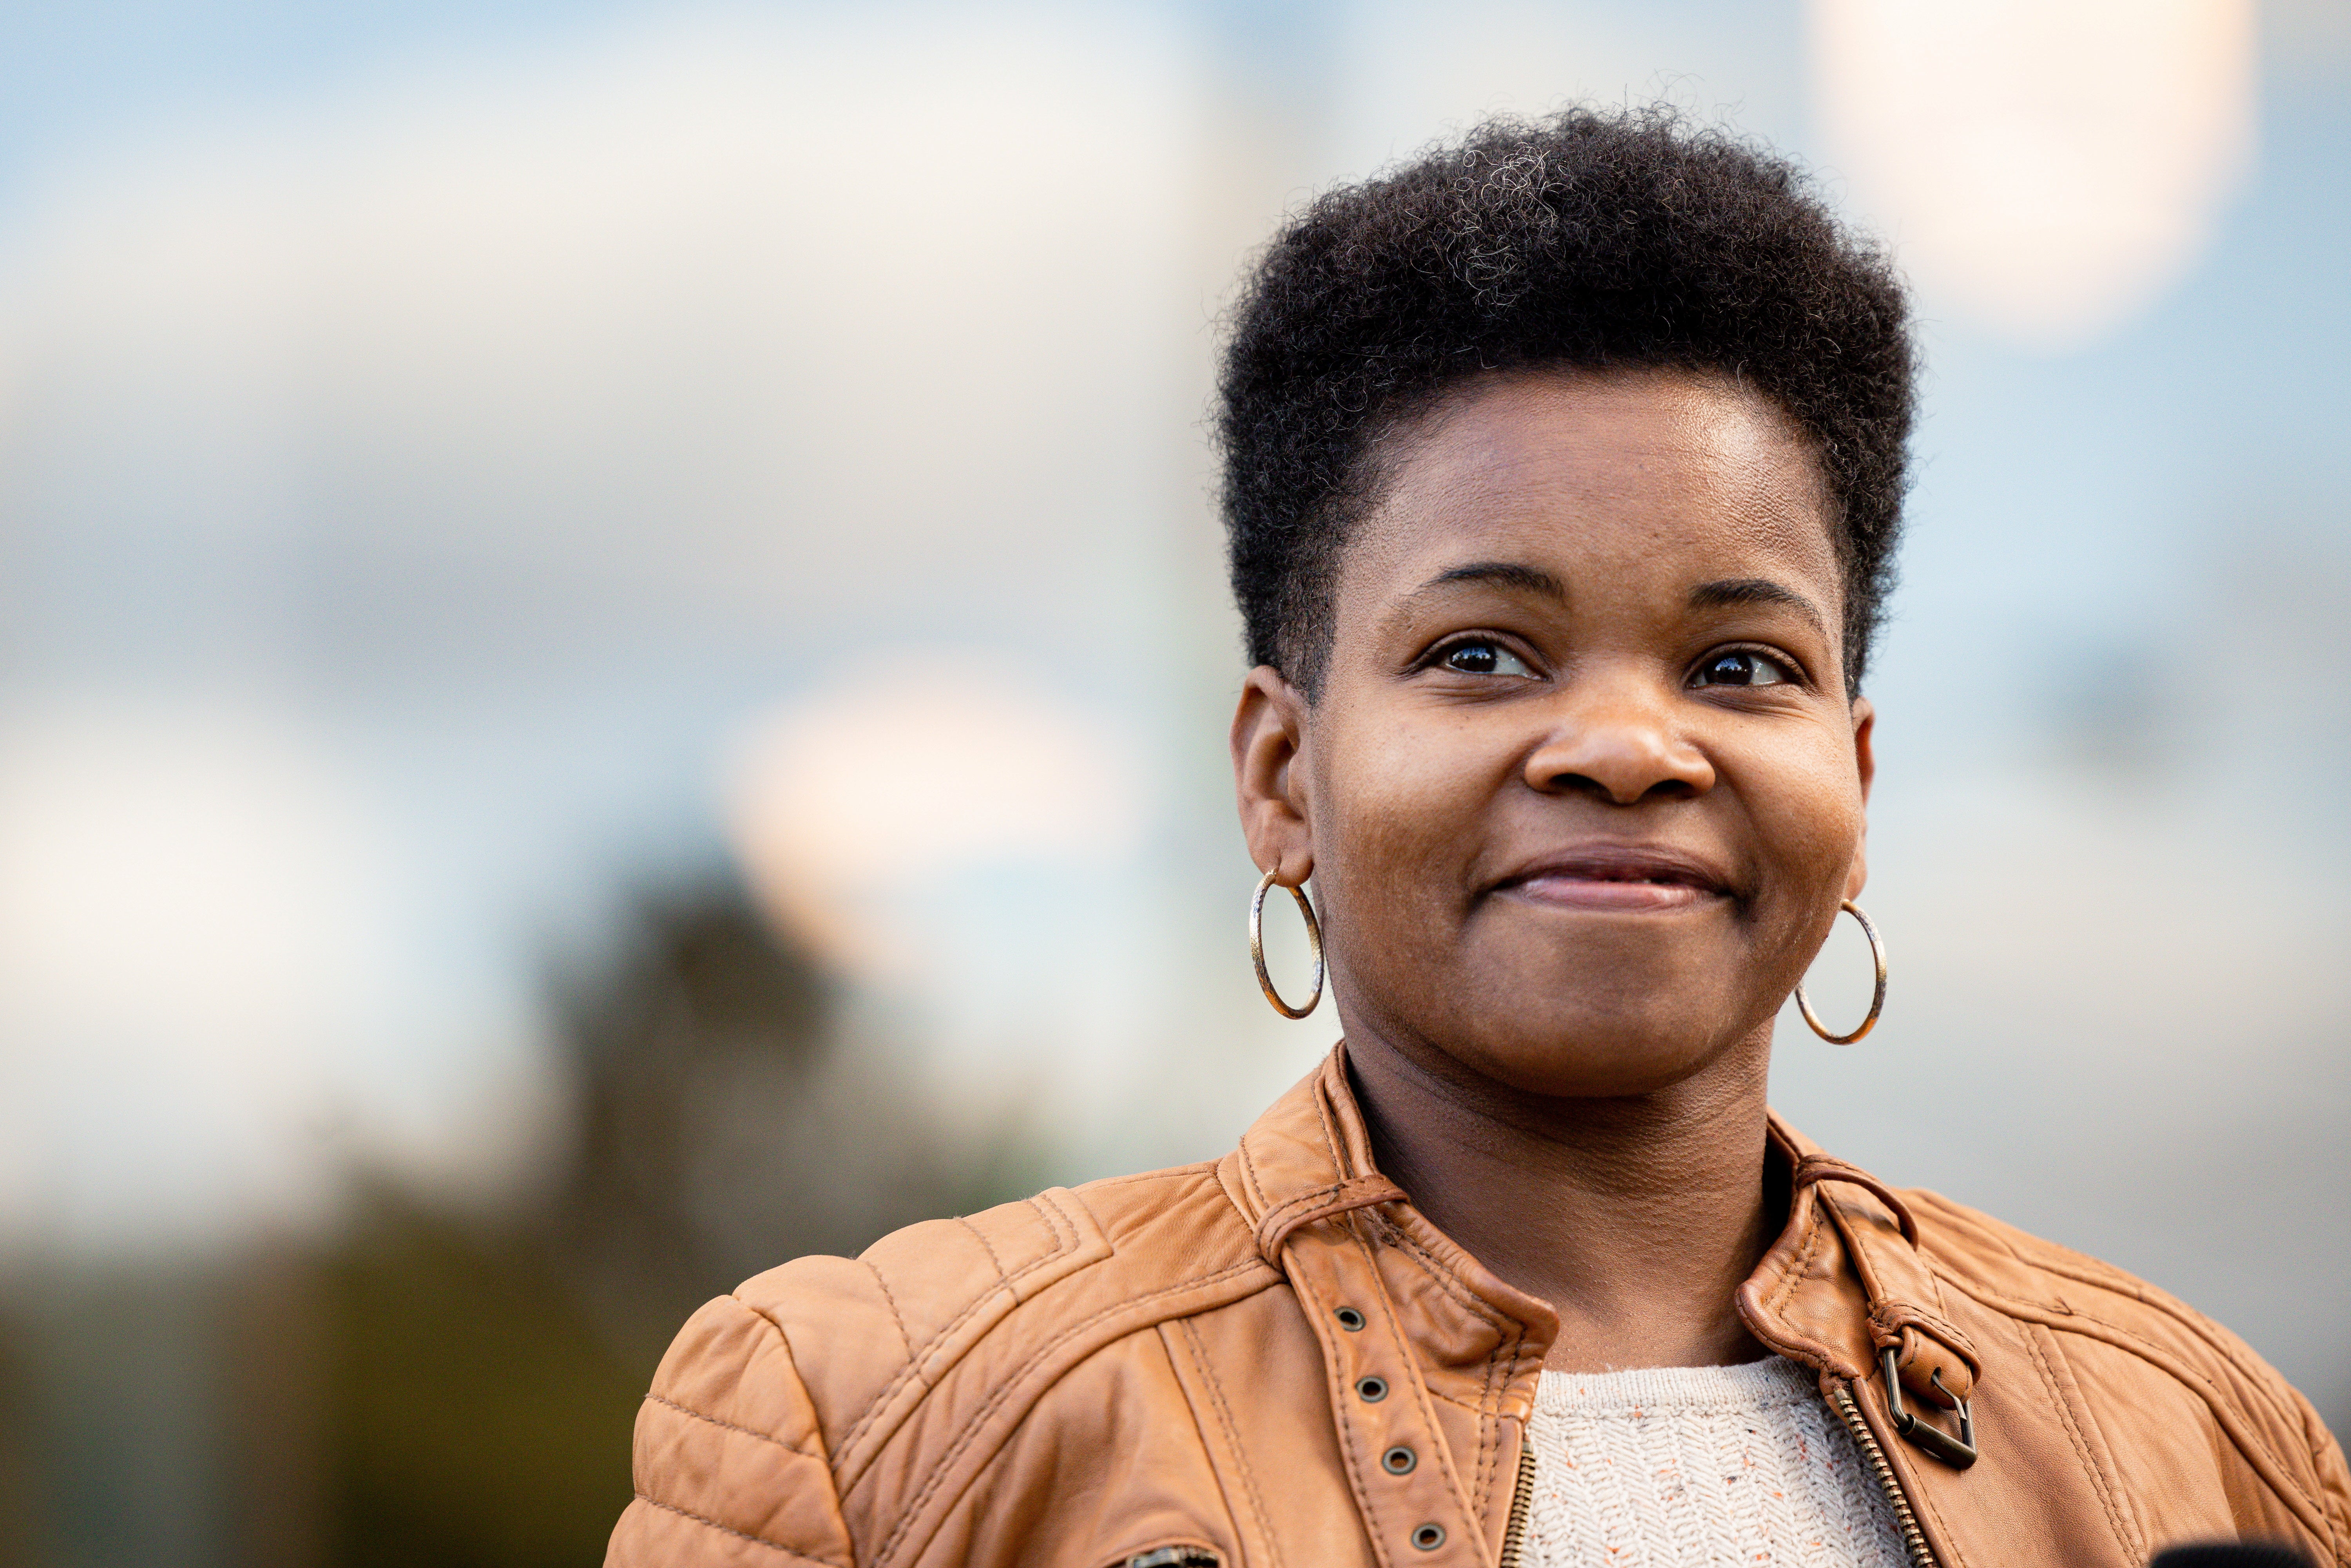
[1308, 1200]
[1815, 1351]
[1508, 1331]
[984, 1247]
[1197, 1167]
[2336, 1503]
[1331, 1138]
[731, 1427]
[1248, 1169]
[1483, 1471]
[1785, 1286]
[2238, 1432]
[738, 1534]
[1462, 1404]
[2131, 1549]
[891, 1302]
[1783, 1336]
[1489, 1423]
[977, 1422]
[1954, 1269]
[1489, 1443]
[882, 1400]
[1443, 1449]
[2217, 1397]
[2122, 1285]
[2149, 1351]
[1055, 1217]
[1442, 1276]
[1490, 1411]
[1924, 1502]
[1934, 1283]
[1355, 1477]
[1216, 1407]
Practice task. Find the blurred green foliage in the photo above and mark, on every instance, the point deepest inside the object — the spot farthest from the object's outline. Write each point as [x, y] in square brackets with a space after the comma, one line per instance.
[473, 1416]
[446, 1383]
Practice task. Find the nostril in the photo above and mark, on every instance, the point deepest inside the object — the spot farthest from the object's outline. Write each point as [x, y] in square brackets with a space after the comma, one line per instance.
[1583, 784]
[1619, 758]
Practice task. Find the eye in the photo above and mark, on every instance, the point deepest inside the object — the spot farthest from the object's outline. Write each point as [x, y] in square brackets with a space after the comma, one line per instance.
[1483, 658]
[1741, 667]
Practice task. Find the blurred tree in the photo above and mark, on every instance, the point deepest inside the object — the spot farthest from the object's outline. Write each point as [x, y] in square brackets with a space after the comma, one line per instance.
[472, 1415]
[456, 1387]
[16, 1478]
[484, 1373]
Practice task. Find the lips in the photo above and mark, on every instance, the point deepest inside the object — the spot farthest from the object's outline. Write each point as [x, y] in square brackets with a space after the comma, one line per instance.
[1628, 878]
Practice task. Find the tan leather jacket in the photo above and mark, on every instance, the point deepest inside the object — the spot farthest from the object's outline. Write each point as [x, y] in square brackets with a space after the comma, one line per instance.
[1274, 1359]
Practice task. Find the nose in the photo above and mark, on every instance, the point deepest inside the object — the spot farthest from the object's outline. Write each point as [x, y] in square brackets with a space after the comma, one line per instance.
[1614, 739]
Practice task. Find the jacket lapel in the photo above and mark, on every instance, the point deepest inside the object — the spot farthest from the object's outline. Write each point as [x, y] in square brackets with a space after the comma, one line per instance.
[1432, 1362]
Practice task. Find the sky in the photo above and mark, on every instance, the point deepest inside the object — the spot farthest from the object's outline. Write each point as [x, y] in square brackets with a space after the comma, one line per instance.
[463, 466]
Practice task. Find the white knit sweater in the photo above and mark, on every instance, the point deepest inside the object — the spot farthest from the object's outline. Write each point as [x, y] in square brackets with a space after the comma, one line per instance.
[1682, 1466]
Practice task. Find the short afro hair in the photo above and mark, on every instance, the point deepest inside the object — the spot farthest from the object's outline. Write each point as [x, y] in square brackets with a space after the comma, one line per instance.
[1589, 240]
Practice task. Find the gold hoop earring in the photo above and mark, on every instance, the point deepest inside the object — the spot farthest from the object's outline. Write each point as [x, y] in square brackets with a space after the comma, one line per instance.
[1877, 1000]
[1257, 947]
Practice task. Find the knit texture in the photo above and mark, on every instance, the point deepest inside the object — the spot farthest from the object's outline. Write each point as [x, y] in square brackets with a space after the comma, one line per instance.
[1678, 1466]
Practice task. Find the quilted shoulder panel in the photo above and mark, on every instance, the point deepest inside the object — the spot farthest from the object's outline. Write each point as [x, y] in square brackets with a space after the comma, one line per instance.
[730, 1465]
[874, 1388]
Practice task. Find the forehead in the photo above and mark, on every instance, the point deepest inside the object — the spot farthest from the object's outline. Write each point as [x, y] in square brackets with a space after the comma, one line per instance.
[1629, 477]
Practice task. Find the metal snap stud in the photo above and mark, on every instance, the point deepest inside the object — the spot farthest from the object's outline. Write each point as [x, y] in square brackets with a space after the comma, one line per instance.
[1373, 1389]
[1349, 1319]
[1428, 1537]
[1399, 1460]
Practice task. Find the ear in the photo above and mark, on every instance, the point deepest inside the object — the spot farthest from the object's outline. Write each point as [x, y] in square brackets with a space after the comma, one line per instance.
[1269, 738]
[1864, 760]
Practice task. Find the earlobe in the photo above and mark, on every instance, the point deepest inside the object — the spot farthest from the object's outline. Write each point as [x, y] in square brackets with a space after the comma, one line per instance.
[1268, 740]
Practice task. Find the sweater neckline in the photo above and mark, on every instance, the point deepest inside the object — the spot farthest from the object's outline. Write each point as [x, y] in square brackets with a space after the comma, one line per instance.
[1663, 1390]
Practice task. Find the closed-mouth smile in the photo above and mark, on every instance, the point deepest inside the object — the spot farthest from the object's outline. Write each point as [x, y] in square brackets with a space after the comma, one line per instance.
[1618, 878]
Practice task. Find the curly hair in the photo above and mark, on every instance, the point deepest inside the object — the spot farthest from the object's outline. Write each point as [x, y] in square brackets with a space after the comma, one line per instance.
[1587, 240]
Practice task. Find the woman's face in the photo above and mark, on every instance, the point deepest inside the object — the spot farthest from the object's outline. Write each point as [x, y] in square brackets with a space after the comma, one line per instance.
[1583, 785]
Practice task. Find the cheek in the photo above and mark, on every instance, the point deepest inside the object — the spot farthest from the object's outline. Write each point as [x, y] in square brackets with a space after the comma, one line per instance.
[1808, 813]
[1396, 813]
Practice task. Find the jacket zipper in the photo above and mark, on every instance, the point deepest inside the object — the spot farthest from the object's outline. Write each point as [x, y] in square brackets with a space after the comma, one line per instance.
[1522, 1496]
[1921, 1556]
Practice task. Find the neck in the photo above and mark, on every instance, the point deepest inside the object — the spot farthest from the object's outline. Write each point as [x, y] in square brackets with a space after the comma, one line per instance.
[1635, 1218]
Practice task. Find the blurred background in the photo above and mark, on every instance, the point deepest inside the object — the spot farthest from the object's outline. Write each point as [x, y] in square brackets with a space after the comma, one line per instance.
[613, 667]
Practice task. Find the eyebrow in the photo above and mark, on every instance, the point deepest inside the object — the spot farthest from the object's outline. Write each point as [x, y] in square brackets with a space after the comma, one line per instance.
[1733, 590]
[1719, 594]
[1509, 574]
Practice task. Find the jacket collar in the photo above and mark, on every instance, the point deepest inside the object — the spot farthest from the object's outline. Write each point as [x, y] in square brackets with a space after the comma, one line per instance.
[1844, 1281]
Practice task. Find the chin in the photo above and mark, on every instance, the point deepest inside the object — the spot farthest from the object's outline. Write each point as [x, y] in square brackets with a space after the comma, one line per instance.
[1630, 1007]
[1590, 1068]
[1588, 1057]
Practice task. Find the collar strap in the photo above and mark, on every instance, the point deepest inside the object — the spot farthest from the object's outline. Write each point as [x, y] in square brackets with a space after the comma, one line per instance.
[1821, 1167]
[1323, 1203]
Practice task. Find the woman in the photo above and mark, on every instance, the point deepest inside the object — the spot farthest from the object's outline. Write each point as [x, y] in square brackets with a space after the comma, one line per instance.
[1563, 472]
